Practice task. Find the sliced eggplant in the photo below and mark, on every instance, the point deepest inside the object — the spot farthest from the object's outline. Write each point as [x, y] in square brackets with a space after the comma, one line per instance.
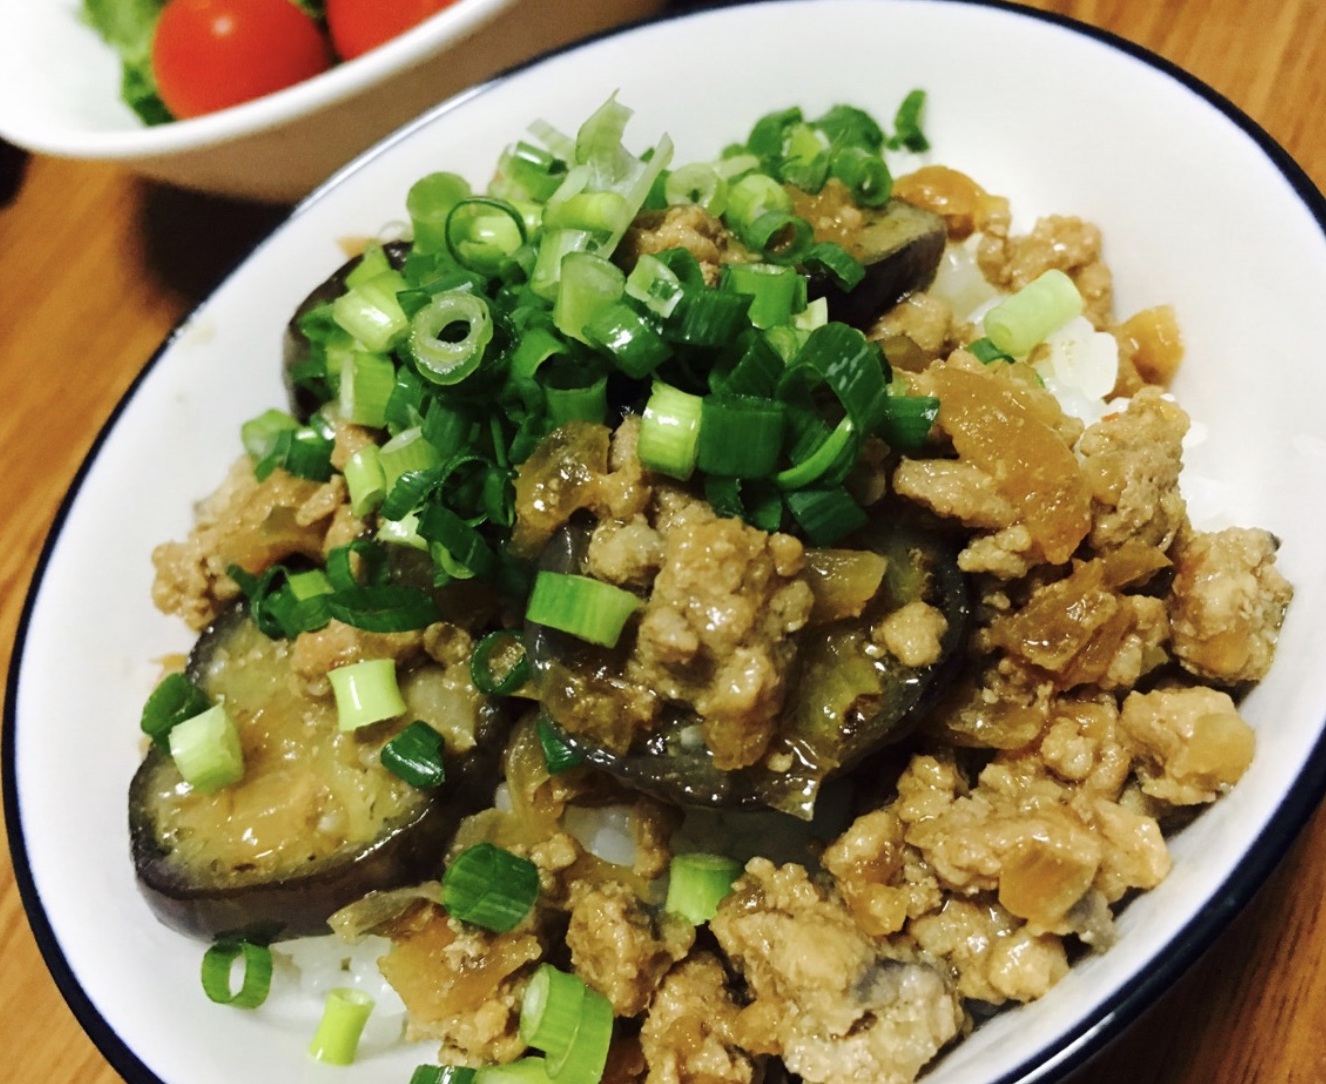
[848, 698]
[900, 246]
[316, 822]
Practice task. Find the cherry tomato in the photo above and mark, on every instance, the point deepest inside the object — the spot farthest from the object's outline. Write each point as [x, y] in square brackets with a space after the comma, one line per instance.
[210, 54]
[360, 25]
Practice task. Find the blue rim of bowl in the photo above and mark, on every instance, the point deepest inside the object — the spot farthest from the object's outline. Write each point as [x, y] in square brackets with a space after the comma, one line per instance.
[1072, 1049]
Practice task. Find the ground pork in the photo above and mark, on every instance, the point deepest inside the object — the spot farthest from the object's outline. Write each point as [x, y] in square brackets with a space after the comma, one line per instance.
[251, 524]
[1131, 461]
[995, 956]
[337, 644]
[883, 881]
[1085, 629]
[913, 634]
[688, 227]
[461, 985]
[836, 1005]
[1228, 603]
[715, 631]
[925, 320]
[1035, 842]
[619, 948]
[1191, 743]
[690, 1034]
[1058, 242]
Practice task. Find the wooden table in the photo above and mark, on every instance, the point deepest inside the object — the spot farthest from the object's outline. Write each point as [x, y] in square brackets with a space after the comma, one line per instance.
[97, 266]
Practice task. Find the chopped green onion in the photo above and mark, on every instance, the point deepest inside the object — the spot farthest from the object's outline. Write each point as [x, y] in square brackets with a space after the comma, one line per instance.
[499, 664]
[258, 435]
[443, 527]
[550, 1010]
[366, 480]
[698, 183]
[558, 756]
[1030, 316]
[428, 203]
[569, 1022]
[370, 559]
[408, 491]
[371, 312]
[405, 453]
[986, 352]
[753, 500]
[831, 451]
[588, 285]
[848, 126]
[207, 751]
[490, 887]
[631, 341]
[367, 381]
[754, 368]
[344, 1015]
[753, 196]
[533, 171]
[768, 135]
[907, 124]
[366, 692]
[175, 699]
[416, 755]
[383, 607]
[740, 435]
[520, 1071]
[780, 235]
[443, 1074]
[401, 532]
[585, 1056]
[907, 421]
[595, 213]
[830, 258]
[854, 368]
[825, 515]
[450, 359]
[655, 285]
[698, 883]
[581, 606]
[256, 982]
[707, 317]
[670, 431]
[865, 174]
[303, 452]
[483, 232]
[776, 291]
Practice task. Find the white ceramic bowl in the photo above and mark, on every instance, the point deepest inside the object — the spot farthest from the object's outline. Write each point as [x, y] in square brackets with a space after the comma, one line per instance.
[61, 94]
[1151, 156]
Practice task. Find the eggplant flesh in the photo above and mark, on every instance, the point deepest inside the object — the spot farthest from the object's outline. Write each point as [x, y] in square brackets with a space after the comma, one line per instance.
[847, 700]
[900, 247]
[316, 822]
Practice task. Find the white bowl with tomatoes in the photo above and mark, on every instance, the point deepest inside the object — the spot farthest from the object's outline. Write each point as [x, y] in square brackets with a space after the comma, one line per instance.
[257, 99]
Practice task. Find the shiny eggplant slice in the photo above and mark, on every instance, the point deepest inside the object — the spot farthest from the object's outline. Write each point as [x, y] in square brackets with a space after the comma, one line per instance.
[316, 822]
[296, 349]
[848, 698]
[900, 246]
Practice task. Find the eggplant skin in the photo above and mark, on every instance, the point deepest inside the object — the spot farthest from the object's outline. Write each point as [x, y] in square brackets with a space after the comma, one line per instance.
[900, 247]
[406, 852]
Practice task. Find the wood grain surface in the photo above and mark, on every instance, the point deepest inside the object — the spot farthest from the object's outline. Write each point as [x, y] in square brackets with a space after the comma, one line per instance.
[95, 268]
